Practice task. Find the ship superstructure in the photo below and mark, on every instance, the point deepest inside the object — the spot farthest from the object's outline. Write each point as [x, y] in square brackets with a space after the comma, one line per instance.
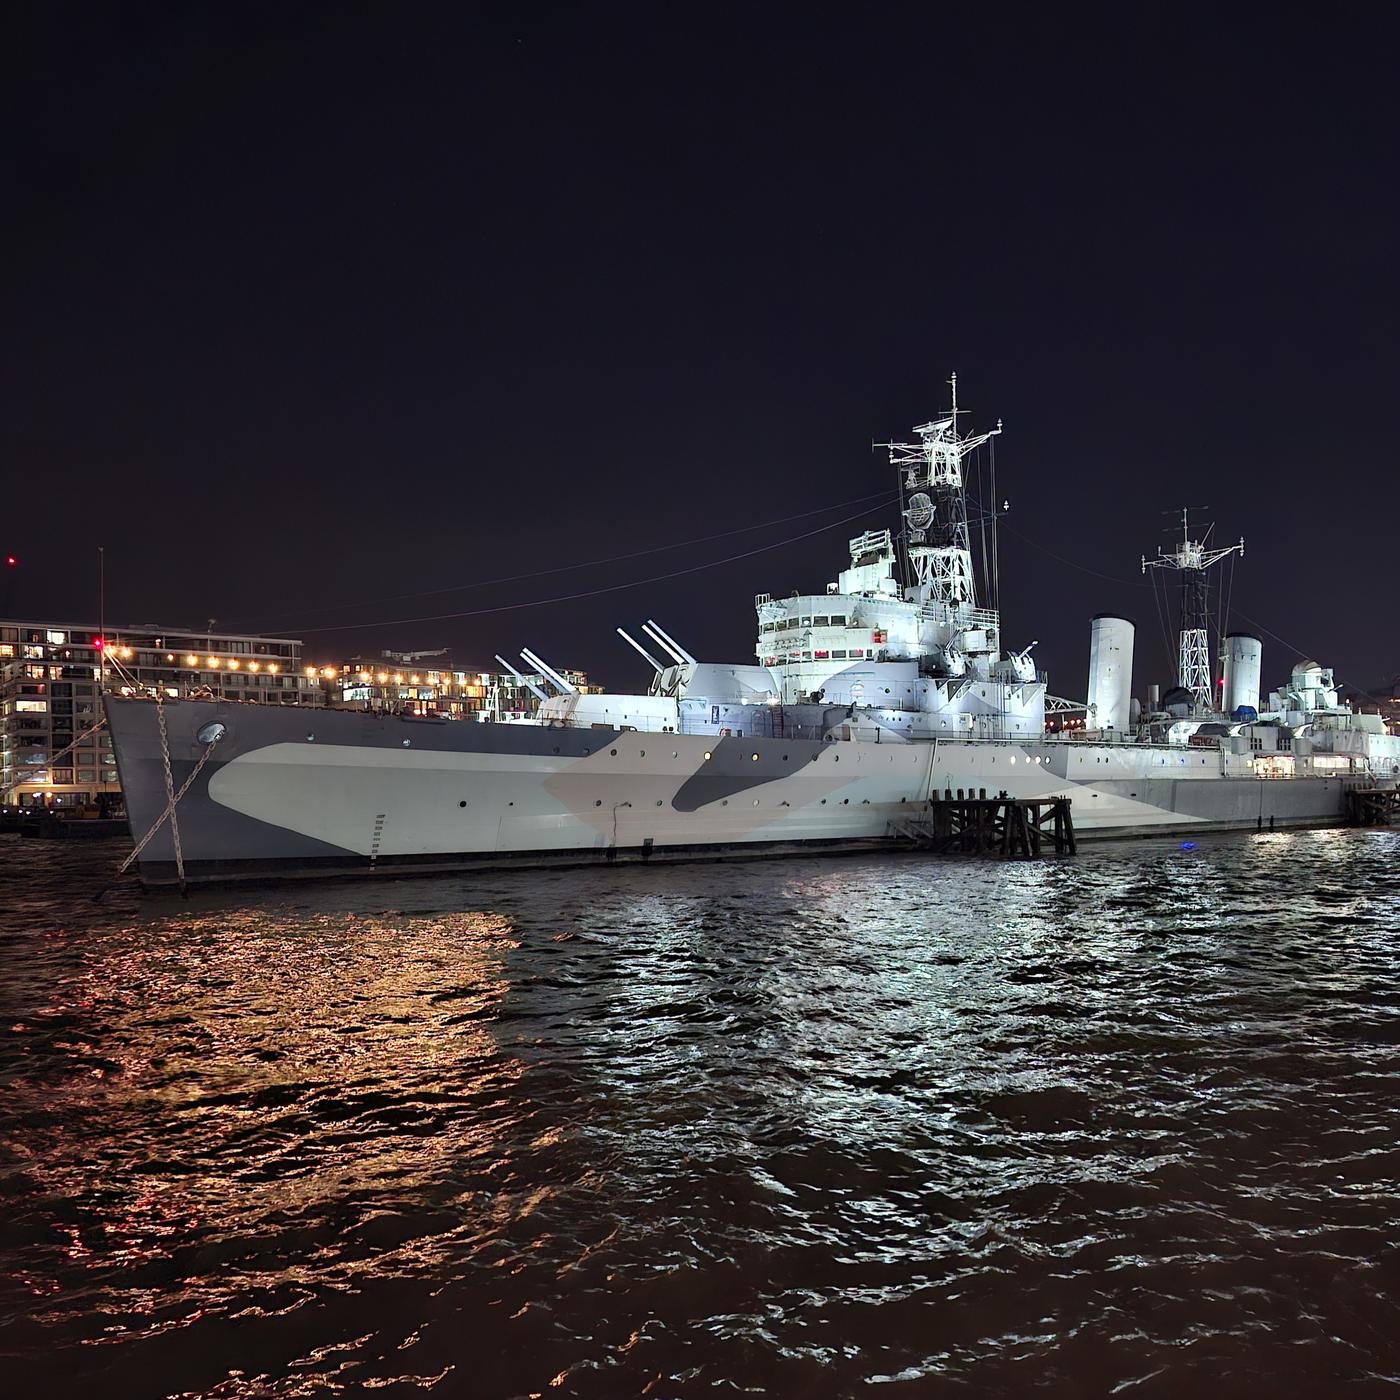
[864, 701]
[925, 618]
[899, 643]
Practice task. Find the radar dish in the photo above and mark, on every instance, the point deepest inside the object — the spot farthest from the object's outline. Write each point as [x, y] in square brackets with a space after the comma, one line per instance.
[919, 514]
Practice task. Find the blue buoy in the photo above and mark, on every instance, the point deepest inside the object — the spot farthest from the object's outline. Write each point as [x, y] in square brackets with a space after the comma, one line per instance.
[1188, 845]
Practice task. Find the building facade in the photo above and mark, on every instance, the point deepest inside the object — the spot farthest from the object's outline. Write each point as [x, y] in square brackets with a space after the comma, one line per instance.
[53, 673]
[431, 683]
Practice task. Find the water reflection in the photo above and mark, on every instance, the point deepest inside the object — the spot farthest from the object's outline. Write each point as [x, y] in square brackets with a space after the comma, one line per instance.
[1123, 1121]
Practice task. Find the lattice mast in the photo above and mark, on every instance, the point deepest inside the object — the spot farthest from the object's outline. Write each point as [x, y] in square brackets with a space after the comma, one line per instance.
[1191, 559]
[935, 509]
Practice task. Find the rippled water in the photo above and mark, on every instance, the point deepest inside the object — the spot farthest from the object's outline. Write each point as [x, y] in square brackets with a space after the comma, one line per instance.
[892, 1126]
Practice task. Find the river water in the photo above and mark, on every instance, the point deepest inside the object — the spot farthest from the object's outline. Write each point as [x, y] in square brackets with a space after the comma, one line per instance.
[890, 1126]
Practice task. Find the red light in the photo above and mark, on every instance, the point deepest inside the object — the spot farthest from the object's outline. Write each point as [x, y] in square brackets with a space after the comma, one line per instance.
[11, 561]
[98, 643]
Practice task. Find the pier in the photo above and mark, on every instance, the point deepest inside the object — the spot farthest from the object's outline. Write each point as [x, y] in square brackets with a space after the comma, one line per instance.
[977, 825]
[1373, 807]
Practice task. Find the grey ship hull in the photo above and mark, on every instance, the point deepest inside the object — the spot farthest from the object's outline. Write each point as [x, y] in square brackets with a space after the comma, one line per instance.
[297, 793]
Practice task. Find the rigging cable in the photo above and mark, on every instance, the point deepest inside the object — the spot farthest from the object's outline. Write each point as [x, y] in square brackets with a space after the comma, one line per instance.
[1083, 568]
[585, 563]
[591, 592]
[996, 558]
[982, 530]
[1227, 595]
[1166, 633]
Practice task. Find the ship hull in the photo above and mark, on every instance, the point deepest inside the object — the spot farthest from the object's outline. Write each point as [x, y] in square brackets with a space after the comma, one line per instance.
[296, 793]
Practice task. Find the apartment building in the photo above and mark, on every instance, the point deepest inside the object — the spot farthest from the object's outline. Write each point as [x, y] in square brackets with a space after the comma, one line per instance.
[52, 674]
[400, 681]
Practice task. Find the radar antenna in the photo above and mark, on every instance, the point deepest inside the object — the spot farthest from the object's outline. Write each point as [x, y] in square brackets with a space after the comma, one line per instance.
[1191, 559]
[920, 514]
[940, 551]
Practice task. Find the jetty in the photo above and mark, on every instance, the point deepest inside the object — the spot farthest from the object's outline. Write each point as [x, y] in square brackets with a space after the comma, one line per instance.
[1373, 807]
[973, 824]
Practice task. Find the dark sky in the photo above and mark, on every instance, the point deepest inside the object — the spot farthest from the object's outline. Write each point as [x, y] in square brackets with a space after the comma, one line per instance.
[310, 306]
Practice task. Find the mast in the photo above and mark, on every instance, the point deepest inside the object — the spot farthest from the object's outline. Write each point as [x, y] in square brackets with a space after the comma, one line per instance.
[1191, 559]
[938, 546]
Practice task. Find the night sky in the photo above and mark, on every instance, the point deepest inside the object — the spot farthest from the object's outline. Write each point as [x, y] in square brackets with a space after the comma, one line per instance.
[311, 309]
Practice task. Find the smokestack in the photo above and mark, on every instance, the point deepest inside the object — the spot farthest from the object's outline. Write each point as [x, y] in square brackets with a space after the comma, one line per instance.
[1243, 655]
[1110, 672]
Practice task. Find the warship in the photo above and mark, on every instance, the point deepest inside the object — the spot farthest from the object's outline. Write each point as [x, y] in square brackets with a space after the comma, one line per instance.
[865, 701]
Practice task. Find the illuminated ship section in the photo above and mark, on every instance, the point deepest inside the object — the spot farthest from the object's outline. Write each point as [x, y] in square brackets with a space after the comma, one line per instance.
[868, 700]
[901, 633]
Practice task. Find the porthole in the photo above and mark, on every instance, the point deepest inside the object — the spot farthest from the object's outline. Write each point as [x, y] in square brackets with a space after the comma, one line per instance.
[658, 801]
[823, 802]
[755, 802]
[674, 754]
[597, 801]
[754, 758]
[613, 752]
[462, 803]
[785, 758]
[836, 758]
[707, 755]
[641, 753]
[724, 802]
[556, 748]
[845, 801]
[407, 742]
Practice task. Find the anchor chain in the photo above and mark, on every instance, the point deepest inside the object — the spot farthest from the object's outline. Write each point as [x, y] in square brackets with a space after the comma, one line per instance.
[172, 798]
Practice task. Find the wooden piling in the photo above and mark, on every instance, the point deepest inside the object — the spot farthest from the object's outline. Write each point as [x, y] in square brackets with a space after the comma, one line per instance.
[1012, 828]
[1373, 807]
